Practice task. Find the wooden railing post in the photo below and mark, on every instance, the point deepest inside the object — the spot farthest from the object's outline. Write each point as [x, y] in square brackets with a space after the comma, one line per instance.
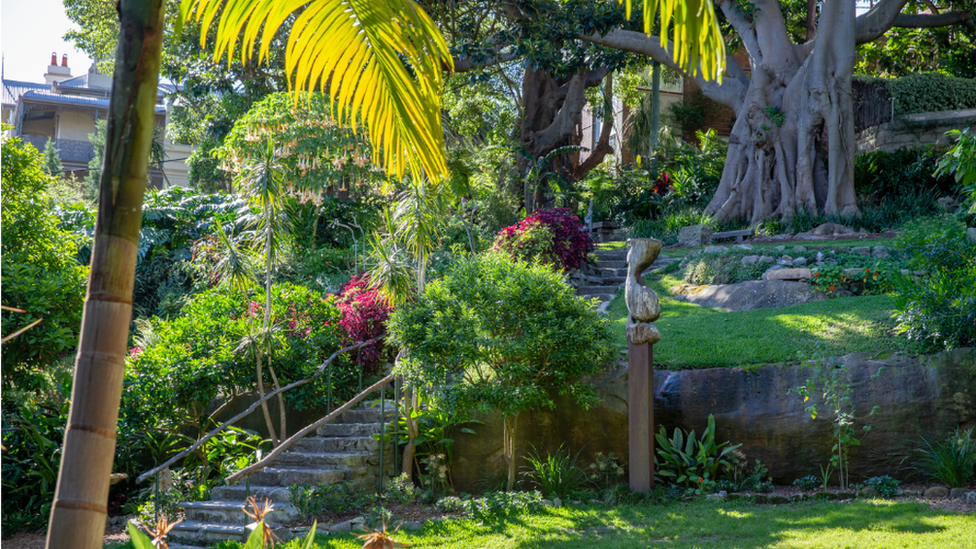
[643, 308]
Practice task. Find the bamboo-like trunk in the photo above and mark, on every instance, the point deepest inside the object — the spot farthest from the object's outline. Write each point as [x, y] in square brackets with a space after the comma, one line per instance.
[80, 501]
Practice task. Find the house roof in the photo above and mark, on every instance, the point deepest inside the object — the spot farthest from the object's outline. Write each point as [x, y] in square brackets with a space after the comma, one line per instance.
[14, 90]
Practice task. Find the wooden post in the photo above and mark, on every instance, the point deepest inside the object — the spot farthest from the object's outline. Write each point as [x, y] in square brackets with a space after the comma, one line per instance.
[640, 389]
[643, 308]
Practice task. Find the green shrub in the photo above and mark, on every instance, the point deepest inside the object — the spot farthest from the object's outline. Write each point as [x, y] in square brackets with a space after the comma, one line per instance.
[809, 482]
[516, 334]
[722, 268]
[179, 365]
[495, 506]
[881, 174]
[692, 463]
[950, 461]
[885, 486]
[40, 273]
[402, 490]
[329, 499]
[960, 162]
[932, 92]
[556, 475]
[938, 307]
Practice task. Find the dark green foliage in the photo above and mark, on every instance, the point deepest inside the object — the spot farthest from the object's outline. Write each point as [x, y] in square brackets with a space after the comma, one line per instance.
[693, 114]
[334, 500]
[495, 506]
[32, 438]
[809, 482]
[621, 494]
[52, 159]
[556, 475]
[40, 272]
[181, 364]
[960, 163]
[881, 174]
[511, 333]
[938, 307]
[692, 463]
[885, 486]
[950, 461]
[929, 92]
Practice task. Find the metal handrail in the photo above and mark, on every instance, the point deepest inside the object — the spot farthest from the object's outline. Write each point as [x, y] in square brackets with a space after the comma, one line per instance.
[252, 407]
[308, 429]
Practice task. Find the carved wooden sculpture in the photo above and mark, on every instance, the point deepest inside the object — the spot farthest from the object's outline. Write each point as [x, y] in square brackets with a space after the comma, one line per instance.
[643, 308]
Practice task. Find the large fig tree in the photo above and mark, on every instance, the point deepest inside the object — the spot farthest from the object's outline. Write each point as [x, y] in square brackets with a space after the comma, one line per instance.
[792, 145]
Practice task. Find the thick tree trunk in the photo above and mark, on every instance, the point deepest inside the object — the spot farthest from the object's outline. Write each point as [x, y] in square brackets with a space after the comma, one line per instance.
[509, 433]
[80, 501]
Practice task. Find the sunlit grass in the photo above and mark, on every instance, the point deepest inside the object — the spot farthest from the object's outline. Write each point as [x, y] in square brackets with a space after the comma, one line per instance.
[698, 524]
[700, 337]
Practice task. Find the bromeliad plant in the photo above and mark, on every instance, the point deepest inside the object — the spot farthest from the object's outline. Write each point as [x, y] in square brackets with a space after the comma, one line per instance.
[692, 463]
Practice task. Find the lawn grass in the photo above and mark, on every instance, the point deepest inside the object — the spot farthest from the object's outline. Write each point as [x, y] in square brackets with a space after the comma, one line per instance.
[701, 523]
[808, 244]
[700, 337]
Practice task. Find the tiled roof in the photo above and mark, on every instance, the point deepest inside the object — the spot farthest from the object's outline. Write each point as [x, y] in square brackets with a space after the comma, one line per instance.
[13, 89]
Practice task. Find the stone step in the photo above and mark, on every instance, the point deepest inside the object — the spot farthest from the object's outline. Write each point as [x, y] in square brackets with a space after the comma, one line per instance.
[369, 415]
[610, 271]
[232, 512]
[323, 460]
[348, 430]
[612, 255]
[328, 445]
[602, 298]
[205, 534]
[286, 476]
[597, 290]
[616, 264]
[607, 280]
[238, 492]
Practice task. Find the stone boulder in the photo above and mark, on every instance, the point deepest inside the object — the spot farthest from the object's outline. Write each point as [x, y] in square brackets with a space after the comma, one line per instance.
[755, 294]
[827, 229]
[695, 235]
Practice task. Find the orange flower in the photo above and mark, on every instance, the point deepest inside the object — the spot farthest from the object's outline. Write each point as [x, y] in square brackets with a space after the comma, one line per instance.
[831, 287]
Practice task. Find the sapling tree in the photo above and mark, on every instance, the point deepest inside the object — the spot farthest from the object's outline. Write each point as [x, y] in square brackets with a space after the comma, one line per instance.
[502, 336]
[831, 378]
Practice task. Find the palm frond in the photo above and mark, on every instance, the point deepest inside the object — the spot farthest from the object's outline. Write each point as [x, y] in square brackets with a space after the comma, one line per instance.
[363, 52]
[696, 33]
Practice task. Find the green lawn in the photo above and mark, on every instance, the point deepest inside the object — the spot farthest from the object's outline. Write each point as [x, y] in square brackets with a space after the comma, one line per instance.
[871, 524]
[810, 245]
[698, 337]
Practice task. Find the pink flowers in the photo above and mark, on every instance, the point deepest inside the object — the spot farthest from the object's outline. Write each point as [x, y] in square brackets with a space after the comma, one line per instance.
[565, 249]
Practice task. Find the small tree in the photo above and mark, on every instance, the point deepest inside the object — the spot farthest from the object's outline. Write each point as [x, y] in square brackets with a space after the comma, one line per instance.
[52, 159]
[509, 334]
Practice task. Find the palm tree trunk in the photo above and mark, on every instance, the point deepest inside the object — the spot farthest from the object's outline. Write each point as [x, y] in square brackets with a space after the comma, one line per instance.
[80, 501]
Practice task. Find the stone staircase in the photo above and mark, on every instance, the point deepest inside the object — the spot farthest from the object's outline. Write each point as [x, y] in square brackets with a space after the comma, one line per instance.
[344, 450]
[603, 279]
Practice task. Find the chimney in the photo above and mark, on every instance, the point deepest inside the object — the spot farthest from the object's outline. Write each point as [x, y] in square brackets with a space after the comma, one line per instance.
[54, 72]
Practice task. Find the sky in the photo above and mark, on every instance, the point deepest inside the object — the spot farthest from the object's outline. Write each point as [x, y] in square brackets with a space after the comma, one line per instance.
[29, 31]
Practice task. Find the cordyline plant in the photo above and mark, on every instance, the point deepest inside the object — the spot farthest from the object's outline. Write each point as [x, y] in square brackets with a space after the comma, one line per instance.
[364, 314]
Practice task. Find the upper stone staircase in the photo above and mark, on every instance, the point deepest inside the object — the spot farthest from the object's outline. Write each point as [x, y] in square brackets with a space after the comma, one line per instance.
[603, 279]
[344, 450]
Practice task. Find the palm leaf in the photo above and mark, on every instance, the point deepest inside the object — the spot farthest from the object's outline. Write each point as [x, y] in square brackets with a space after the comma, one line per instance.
[363, 52]
[696, 34]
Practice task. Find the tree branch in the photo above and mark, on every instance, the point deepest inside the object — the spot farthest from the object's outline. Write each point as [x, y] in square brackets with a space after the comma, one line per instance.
[925, 21]
[729, 93]
[469, 63]
[745, 26]
[877, 20]
[565, 121]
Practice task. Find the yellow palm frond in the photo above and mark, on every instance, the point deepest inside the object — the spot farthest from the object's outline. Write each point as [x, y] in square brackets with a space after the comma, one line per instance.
[380, 60]
[697, 37]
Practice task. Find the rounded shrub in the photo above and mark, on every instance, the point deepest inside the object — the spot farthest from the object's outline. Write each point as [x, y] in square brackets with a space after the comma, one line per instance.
[551, 237]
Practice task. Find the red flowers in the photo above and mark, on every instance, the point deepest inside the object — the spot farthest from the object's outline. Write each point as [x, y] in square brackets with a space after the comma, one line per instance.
[364, 316]
[566, 251]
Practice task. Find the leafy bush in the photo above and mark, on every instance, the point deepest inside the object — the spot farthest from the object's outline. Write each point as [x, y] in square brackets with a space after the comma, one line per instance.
[692, 463]
[885, 486]
[950, 461]
[364, 315]
[939, 307]
[495, 506]
[879, 175]
[960, 162]
[516, 334]
[32, 439]
[556, 475]
[179, 365]
[605, 471]
[621, 494]
[402, 490]
[932, 92]
[551, 237]
[329, 499]
[450, 504]
[809, 482]
[40, 273]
